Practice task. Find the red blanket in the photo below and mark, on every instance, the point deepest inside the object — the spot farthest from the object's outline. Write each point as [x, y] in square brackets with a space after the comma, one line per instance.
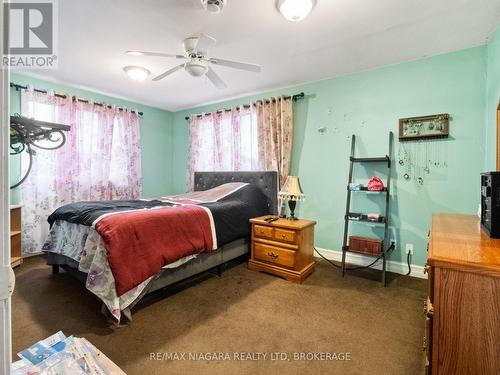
[139, 243]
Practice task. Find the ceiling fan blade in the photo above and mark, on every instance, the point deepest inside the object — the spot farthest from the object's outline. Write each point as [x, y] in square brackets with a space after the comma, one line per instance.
[215, 79]
[237, 65]
[168, 72]
[205, 42]
[188, 5]
[146, 53]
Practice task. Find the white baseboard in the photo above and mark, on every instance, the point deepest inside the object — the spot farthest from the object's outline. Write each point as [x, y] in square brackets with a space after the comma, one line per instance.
[362, 260]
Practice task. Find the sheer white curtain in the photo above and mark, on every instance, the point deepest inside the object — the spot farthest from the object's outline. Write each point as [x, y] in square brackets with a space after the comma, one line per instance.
[224, 141]
[257, 138]
[100, 160]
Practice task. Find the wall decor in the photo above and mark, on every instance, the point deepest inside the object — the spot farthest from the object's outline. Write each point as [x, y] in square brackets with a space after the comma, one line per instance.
[418, 159]
[424, 127]
[26, 133]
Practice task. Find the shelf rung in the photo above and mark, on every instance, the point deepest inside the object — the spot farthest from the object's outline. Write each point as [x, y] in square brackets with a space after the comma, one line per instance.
[15, 261]
[367, 221]
[364, 253]
[370, 160]
[364, 219]
[365, 189]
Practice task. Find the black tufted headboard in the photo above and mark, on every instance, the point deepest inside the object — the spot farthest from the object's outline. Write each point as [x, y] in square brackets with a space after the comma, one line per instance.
[266, 181]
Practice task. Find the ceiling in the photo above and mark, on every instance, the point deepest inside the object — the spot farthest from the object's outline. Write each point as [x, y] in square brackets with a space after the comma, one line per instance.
[338, 37]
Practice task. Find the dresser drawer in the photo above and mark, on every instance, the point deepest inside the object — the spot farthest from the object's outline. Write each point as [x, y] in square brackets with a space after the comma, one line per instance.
[274, 255]
[263, 232]
[285, 235]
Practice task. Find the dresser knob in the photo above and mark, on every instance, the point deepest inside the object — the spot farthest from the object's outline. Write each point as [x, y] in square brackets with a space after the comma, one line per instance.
[426, 268]
[273, 255]
[428, 309]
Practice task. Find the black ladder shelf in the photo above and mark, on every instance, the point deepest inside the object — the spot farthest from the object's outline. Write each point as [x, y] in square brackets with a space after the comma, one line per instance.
[384, 220]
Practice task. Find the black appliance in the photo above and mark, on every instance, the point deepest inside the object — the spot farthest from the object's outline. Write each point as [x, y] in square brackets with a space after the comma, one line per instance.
[490, 203]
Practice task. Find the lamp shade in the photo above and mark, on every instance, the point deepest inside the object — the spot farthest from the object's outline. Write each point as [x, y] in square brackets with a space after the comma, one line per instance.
[291, 190]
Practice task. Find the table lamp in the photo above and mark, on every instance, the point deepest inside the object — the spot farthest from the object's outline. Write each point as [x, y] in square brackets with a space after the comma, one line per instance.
[292, 192]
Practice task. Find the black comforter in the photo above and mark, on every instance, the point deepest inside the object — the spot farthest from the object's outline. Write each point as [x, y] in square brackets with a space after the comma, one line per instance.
[230, 214]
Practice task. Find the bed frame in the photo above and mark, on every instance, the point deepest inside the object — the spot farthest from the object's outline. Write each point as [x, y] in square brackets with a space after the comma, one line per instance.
[267, 182]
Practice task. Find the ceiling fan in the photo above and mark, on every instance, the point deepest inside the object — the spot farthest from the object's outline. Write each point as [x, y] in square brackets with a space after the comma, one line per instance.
[198, 62]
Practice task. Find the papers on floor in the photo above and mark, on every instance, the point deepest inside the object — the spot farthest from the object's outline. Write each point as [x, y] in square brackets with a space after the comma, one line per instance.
[61, 355]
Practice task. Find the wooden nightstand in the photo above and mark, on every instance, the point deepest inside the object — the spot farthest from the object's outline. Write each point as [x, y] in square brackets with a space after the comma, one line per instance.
[283, 247]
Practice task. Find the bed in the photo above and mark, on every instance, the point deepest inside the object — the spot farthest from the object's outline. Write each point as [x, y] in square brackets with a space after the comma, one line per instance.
[88, 254]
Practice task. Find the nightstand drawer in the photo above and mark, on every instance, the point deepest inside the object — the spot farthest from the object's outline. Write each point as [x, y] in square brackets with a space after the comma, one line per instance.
[275, 255]
[284, 235]
[264, 232]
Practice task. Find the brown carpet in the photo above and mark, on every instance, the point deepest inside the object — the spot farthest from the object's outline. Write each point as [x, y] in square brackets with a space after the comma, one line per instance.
[242, 311]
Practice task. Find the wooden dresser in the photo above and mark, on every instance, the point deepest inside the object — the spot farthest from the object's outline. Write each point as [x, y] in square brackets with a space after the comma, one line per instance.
[463, 307]
[283, 247]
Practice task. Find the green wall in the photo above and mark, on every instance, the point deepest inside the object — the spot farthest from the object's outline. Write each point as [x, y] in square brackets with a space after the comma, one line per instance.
[369, 105]
[492, 98]
[156, 135]
[465, 84]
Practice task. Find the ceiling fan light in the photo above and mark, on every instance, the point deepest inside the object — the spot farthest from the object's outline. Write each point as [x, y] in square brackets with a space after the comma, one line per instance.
[196, 68]
[137, 73]
[213, 8]
[295, 10]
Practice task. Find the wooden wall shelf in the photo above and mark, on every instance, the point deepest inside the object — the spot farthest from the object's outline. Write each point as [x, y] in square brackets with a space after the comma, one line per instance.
[16, 257]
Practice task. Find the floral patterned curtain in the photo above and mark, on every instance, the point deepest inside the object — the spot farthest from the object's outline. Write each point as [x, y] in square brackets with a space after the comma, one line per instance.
[275, 127]
[257, 138]
[101, 160]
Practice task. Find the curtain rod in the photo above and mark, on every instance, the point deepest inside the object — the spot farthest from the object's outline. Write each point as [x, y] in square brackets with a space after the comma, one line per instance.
[295, 97]
[20, 87]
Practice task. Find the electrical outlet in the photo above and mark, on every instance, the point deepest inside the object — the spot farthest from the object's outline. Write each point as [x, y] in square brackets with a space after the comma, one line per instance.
[409, 248]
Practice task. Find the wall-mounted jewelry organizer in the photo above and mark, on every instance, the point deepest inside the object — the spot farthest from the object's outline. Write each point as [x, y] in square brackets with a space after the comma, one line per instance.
[426, 152]
[424, 127]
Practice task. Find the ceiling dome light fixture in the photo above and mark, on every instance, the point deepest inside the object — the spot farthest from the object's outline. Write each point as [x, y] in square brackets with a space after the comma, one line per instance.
[295, 10]
[137, 73]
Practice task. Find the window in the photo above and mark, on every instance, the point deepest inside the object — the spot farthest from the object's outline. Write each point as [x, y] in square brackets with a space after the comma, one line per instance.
[100, 160]
[256, 138]
[226, 141]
